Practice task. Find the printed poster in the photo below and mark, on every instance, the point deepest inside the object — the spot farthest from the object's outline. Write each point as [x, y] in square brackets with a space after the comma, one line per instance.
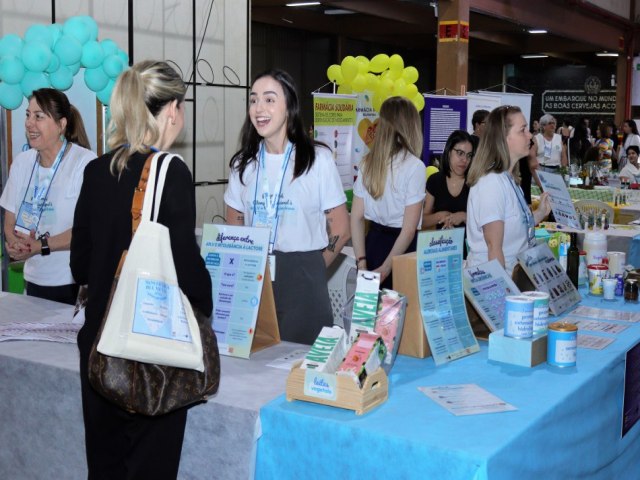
[334, 117]
[441, 294]
[364, 130]
[236, 257]
[486, 287]
[442, 115]
[560, 199]
[548, 276]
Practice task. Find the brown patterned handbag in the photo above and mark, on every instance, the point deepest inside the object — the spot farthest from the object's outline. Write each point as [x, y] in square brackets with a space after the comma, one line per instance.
[146, 388]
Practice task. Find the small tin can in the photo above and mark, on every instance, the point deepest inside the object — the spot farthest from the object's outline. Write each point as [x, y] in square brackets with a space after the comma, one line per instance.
[619, 285]
[562, 344]
[540, 311]
[518, 316]
[597, 271]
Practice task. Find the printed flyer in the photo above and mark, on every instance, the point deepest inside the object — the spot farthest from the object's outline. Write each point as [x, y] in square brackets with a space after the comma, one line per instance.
[560, 199]
[441, 294]
[364, 130]
[236, 257]
[486, 287]
[333, 119]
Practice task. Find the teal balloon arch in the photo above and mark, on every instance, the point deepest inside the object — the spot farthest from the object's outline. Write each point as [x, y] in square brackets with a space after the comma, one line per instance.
[52, 55]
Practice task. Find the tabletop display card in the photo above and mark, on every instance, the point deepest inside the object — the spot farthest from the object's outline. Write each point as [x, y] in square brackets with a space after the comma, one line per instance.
[560, 199]
[486, 287]
[244, 317]
[547, 275]
[441, 295]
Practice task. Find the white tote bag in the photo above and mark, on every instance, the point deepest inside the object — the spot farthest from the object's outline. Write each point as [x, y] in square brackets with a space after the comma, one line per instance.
[150, 320]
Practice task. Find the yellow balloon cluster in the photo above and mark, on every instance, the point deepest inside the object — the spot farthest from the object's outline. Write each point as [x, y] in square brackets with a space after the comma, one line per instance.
[384, 76]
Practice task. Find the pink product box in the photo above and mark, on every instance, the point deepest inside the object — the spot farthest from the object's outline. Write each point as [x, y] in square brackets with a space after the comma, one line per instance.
[363, 358]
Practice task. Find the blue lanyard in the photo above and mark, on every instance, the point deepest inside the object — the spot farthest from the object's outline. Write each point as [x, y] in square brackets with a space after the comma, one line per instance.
[40, 195]
[528, 216]
[272, 208]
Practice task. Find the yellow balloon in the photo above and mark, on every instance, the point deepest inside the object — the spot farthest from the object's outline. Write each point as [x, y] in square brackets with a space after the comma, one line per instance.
[396, 63]
[386, 86]
[359, 83]
[363, 64]
[334, 74]
[410, 91]
[398, 87]
[372, 82]
[394, 74]
[345, 88]
[431, 170]
[379, 63]
[349, 68]
[410, 74]
[377, 102]
[418, 101]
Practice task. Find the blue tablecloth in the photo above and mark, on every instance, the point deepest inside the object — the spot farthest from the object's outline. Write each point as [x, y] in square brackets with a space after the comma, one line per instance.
[568, 424]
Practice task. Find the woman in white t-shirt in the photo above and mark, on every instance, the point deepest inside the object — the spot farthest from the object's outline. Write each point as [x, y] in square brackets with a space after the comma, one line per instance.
[630, 137]
[390, 190]
[630, 172]
[500, 224]
[283, 180]
[548, 147]
[41, 194]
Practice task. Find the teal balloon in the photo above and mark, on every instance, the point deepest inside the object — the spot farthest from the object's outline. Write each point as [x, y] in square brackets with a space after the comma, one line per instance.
[11, 45]
[95, 78]
[109, 47]
[10, 96]
[34, 81]
[77, 28]
[56, 33]
[104, 95]
[123, 56]
[113, 66]
[91, 25]
[75, 68]
[68, 50]
[54, 64]
[61, 79]
[36, 56]
[11, 69]
[92, 54]
[39, 33]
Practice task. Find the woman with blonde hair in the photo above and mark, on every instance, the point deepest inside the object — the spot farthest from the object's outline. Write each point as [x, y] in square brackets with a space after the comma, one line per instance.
[390, 190]
[500, 224]
[147, 115]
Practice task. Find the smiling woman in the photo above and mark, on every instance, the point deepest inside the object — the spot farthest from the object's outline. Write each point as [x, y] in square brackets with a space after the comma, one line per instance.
[41, 194]
[283, 180]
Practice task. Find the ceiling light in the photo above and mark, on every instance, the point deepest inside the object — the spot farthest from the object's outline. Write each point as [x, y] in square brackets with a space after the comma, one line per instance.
[606, 54]
[302, 4]
[536, 31]
[534, 55]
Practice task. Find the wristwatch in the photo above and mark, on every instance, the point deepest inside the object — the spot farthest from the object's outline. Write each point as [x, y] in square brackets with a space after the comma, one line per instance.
[44, 240]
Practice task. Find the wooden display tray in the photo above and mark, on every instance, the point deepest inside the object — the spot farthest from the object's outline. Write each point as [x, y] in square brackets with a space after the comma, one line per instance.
[374, 392]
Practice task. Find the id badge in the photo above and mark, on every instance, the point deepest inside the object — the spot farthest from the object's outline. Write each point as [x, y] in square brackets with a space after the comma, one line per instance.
[272, 267]
[27, 218]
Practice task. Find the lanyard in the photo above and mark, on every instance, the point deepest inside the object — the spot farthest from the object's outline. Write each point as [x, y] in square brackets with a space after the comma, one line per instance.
[41, 192]
[528, 216]
[270, 200]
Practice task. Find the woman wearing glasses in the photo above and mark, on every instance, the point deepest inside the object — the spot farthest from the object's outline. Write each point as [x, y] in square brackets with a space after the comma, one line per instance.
[445, 205]
[389, 191]
[500, 224]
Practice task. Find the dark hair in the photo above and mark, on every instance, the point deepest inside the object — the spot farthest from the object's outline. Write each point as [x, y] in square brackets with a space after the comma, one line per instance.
[56, 105]
[635, 148]
[456, 137]
[592, 155]
[296, 132]
[579, 143]
[479, 116]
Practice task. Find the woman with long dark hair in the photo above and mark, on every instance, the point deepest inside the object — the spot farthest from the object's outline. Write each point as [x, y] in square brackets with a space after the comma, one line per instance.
[630, 137]
[281, 179]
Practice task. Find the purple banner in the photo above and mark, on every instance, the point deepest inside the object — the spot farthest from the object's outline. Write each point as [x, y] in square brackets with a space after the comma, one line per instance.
[442, 115]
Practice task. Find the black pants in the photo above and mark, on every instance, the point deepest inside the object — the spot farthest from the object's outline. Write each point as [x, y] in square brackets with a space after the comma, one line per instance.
[59, 293]
[124, 446]
[378, 245]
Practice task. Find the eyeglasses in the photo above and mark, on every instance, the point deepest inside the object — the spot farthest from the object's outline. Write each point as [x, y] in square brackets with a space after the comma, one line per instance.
[462, 153]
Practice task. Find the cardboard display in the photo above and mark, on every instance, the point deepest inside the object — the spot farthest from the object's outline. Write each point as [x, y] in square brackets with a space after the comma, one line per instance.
[267, 332]
[414, 340]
